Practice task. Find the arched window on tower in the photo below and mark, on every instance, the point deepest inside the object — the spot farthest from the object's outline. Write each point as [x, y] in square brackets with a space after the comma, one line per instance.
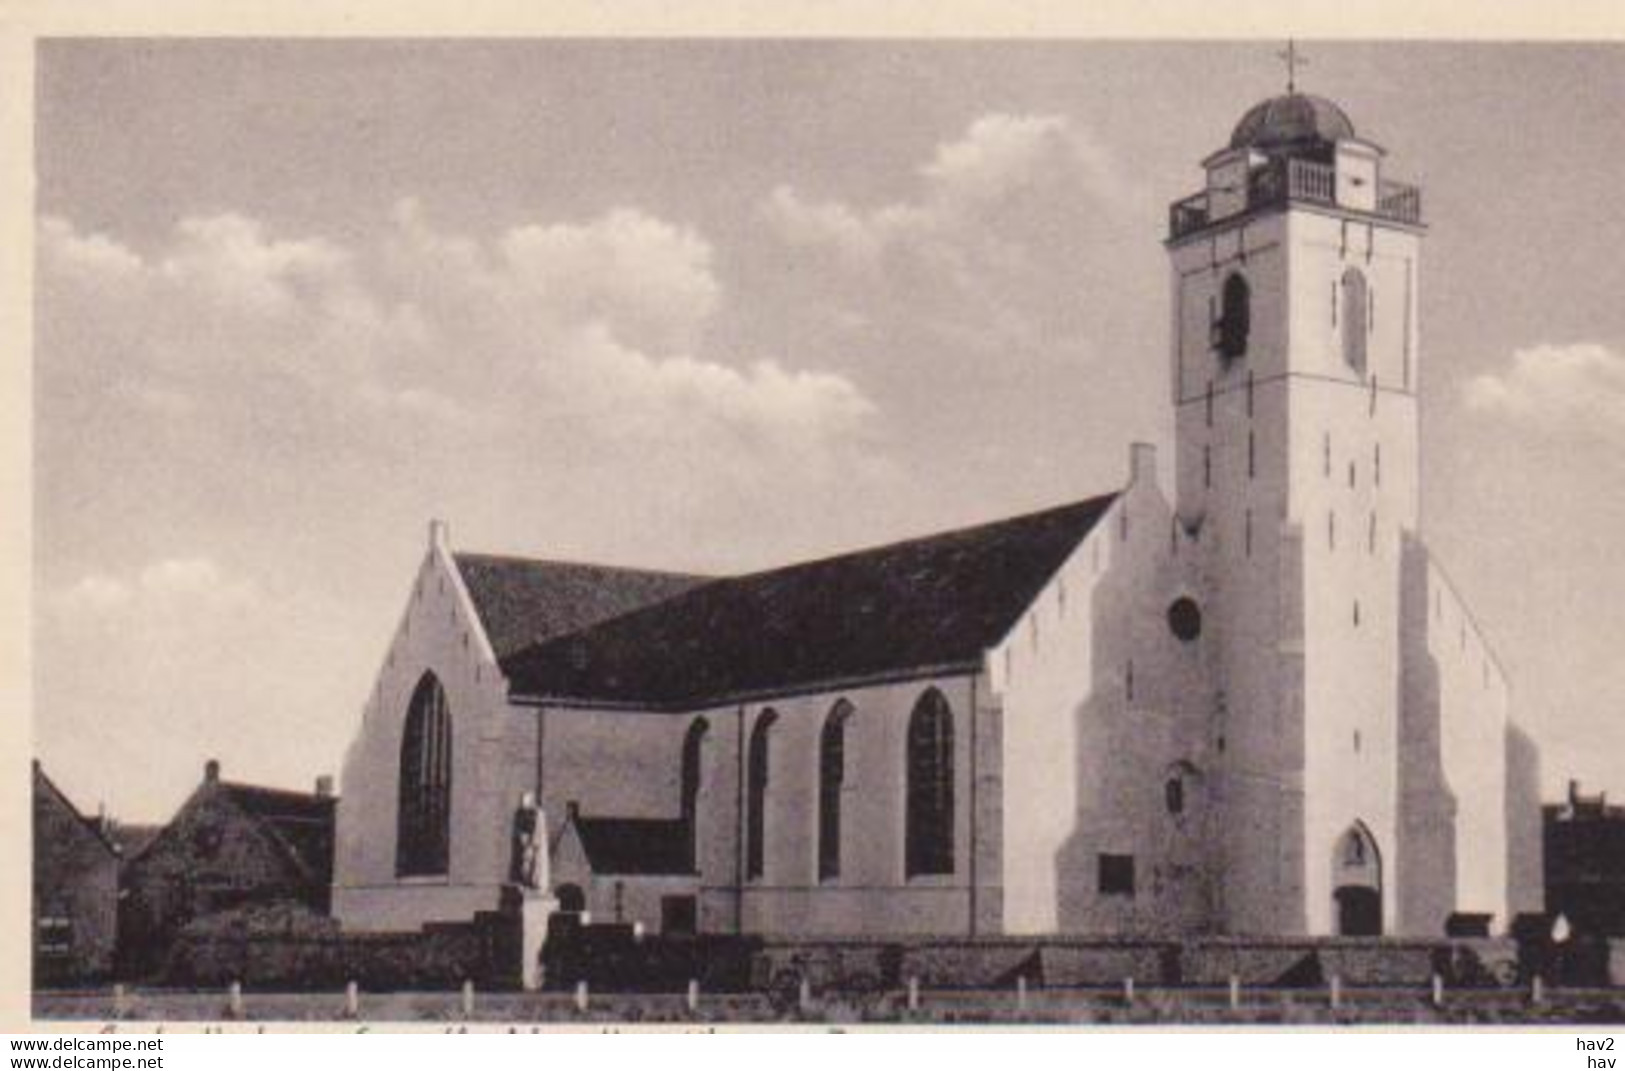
[831, 780]
[423, 817]
[929, 822]
[693, 754]
[1234, 324]
[1354, 320]
[756, 775]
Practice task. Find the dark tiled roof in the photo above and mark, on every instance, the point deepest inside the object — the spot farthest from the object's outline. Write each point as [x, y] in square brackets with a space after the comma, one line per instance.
[132, 839]
[302, 821]
[938, 601]
[635, 845]
[521, 602]
[44, 786]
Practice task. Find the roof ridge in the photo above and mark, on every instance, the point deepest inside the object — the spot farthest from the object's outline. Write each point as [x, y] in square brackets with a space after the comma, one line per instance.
[868, 548]
[519, 559]
[980, 527]
[238, 786]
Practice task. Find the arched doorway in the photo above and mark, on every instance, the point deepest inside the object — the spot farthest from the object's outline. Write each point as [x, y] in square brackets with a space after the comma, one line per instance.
[1357, 883]
[571, 899]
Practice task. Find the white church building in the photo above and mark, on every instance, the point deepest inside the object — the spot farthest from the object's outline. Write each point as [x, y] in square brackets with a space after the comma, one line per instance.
[1251, 703]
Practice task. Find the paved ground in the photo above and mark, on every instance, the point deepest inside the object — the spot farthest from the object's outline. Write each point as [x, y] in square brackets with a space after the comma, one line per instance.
[1045, 1006]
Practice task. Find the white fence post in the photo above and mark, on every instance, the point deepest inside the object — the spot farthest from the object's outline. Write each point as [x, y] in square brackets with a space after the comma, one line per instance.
[583, 996]
[1235, 992]
[234, 1000]
[468, 999]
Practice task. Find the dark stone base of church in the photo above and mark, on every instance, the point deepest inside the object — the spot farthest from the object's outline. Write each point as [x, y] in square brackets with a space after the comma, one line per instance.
[611, 958]
[441, 956]
[612, 961]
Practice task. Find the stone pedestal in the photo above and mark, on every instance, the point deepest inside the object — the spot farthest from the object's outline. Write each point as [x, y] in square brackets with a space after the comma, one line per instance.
[534, 908]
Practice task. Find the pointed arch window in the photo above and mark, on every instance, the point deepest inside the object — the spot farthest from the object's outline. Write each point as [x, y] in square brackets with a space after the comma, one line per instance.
[756, 777]
[1355, 325]
[423, 817]
[929, 822]
[1230, 331]
[831, 780]
[692, 775]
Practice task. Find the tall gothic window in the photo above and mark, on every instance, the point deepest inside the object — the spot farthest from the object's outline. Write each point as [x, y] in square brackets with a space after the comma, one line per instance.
[831, 778]
[1235, 318]
[423, 830]
[693, 751]
[1355, 320]
[756, 794]
[929, 836]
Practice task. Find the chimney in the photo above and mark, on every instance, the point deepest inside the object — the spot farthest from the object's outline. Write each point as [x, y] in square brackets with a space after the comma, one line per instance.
[211, 771]
[324, 787]
[572, 810]
[1142, 464]
[1574, 791]
[439, 535]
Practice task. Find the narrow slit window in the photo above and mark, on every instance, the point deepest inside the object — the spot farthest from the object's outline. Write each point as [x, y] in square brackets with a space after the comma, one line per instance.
[1355, 326]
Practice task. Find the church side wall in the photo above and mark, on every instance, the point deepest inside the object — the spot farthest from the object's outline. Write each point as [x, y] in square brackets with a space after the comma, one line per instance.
[1526, 875]
[1462, 699]
[493, 761]
[1101, 705]
[871, 895]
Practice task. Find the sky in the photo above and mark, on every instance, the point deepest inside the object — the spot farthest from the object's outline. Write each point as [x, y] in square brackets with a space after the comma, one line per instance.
[717, 306]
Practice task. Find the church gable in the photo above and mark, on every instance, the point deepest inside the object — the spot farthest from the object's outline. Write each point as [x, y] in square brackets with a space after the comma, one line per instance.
[472, 766]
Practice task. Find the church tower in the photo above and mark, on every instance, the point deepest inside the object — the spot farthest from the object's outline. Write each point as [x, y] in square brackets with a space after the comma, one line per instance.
[1294, 372]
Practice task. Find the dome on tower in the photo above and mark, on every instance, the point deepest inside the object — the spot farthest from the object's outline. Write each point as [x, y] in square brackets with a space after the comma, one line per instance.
[1291, 121]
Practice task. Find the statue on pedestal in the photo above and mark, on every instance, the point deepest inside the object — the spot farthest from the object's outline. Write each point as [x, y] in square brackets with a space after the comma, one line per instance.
[528, 865]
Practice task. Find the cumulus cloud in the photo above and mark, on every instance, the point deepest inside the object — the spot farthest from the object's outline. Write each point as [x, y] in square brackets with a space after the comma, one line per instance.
[1572, 388]
[998, 160]
[188, 586]
[558, 336]
[980, 256]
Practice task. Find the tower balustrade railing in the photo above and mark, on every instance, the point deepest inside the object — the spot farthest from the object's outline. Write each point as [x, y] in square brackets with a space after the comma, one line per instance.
[1290, 179]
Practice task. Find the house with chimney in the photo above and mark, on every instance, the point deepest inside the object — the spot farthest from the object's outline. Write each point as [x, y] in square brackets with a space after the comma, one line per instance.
[230, 845]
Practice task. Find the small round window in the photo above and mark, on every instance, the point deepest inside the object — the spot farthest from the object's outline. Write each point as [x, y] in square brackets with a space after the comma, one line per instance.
[1185, 618]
